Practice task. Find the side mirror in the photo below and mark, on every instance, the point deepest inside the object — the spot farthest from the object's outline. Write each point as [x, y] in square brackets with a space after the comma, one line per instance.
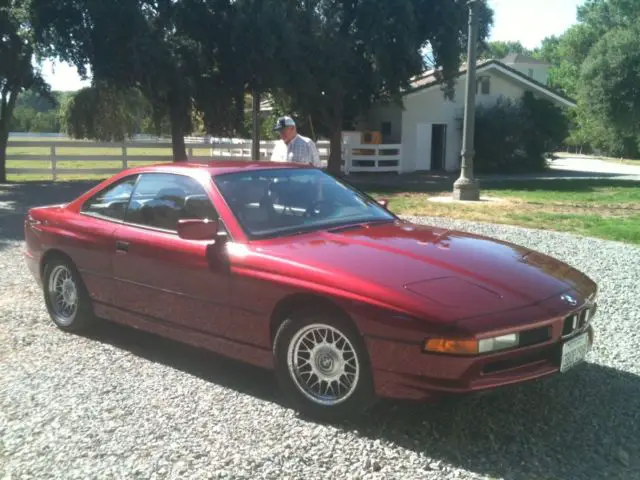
[197, 229]
[384, 202]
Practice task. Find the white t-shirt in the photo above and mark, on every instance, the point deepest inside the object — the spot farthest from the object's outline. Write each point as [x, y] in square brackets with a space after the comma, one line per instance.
[299, 150]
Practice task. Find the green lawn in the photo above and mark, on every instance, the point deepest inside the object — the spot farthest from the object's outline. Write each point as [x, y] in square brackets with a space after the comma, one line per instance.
[81, 153]
[607, 209]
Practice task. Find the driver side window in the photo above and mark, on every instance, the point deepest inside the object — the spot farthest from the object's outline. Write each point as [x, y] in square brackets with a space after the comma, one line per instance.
[111, 203]
[161, 199]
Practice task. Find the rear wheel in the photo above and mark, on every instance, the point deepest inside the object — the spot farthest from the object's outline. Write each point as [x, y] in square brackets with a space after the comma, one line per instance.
[322, 366]
[66, 297]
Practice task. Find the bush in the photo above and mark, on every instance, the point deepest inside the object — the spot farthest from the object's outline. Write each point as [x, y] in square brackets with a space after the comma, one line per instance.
[515, 136]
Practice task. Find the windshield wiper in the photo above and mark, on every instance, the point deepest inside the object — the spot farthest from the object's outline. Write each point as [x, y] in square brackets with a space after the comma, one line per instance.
[359, 224]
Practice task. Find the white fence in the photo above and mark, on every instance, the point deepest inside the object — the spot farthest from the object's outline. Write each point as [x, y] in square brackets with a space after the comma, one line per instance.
[371, 158]
[65, 157]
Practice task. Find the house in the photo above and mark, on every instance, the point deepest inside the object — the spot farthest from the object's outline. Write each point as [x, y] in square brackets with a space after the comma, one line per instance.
[429, 127]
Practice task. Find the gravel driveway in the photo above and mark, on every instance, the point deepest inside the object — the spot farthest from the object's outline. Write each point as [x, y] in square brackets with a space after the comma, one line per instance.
[125, 404]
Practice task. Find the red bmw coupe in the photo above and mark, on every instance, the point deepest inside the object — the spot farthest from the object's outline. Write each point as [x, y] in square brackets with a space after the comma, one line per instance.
[288, 268]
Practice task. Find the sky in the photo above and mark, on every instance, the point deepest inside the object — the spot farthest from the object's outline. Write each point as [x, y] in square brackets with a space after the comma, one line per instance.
[528, 21]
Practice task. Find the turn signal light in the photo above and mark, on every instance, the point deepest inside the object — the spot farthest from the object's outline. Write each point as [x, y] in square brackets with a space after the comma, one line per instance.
[471, 346]
[450, 345]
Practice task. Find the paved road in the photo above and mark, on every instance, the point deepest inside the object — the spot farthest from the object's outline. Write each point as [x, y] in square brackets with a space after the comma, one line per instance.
[577, 168]
[592, 166]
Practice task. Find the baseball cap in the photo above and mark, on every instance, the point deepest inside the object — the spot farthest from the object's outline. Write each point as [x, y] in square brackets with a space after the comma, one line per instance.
[284, 122]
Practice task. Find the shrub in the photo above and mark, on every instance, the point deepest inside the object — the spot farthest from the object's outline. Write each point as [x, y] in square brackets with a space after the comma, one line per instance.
[514, 136]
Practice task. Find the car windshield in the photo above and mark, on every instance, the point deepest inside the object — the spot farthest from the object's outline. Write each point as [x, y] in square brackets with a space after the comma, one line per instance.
[277, 202]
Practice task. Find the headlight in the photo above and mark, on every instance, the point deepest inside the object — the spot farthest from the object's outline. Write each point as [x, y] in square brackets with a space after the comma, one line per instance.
[471, 346]
[498, 343]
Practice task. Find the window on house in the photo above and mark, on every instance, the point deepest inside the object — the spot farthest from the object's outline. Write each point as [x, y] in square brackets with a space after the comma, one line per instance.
[484, 85]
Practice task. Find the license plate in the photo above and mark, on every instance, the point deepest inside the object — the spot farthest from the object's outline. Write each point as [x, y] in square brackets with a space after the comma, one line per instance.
[574, 351]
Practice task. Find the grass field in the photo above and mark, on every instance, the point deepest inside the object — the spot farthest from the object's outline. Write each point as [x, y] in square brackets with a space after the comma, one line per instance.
[608, 209]
[81, 153]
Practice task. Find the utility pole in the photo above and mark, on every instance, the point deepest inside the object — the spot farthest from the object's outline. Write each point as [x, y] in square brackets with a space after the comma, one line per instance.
[255, 116]
[466, 188]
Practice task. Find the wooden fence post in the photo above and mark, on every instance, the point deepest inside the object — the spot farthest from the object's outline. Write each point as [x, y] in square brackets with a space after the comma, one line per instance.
[125, 163]
[53, 162]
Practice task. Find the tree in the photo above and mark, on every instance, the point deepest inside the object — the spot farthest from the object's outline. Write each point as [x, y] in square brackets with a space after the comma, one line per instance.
[133, 44]
[17, 72]
[609, 87]
[568, 52]
[104, 113]
[259, 33]
[347, 55]
[574, 51]
[513, 136]
[500, 49]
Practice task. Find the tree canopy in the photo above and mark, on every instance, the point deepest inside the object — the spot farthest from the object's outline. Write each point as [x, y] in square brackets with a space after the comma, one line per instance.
[347, 55]
[103, 113]
[329, 60]
[610, 87]
[17, 72]
[500, 49]
[127, 44]
[596, 62]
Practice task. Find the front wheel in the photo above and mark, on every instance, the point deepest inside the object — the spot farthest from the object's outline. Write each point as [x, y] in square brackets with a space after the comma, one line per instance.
[323, 367]
[66, 298]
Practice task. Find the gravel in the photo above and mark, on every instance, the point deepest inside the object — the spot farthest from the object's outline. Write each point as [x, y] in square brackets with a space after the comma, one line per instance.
[125, 404]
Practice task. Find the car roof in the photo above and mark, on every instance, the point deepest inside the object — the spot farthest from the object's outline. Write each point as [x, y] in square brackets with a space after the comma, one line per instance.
[219, 167]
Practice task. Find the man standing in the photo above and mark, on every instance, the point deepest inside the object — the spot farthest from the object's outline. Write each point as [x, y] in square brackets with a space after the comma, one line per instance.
[293, 147]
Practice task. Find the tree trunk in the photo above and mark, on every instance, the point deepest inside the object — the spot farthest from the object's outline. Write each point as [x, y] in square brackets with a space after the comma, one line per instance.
[7, 105]
[335, 151]
[177, 143]
[177, 118]
[4, 137]
[255, 138]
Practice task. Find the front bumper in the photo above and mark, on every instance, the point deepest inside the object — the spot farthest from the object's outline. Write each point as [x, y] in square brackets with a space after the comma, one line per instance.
[33, 264]
[403, 371]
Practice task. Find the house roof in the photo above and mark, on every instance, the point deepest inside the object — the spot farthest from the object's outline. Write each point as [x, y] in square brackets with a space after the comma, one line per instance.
[429, 79]
[522, 58]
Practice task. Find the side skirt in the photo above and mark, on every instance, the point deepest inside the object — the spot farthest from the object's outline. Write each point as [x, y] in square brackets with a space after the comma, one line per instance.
[244, 352]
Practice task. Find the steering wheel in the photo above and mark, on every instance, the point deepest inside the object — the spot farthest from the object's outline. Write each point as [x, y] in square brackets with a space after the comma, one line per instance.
[320, 205]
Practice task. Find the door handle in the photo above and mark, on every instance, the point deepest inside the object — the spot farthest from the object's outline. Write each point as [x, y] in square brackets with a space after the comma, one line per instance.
[122, 246]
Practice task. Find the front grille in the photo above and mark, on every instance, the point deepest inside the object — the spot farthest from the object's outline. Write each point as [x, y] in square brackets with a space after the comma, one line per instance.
[535, 335]
[539, 356]
[577, 321]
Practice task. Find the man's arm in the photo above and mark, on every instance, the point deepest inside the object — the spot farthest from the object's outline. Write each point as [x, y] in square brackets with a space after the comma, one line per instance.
[276, 153]
[314, 154]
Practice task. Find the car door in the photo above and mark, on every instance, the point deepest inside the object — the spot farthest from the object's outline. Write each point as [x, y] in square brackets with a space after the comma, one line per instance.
[160, 276]
[91, 246]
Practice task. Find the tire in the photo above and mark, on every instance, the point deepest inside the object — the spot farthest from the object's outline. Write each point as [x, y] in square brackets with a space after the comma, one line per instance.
[66, 296]
[344, 357]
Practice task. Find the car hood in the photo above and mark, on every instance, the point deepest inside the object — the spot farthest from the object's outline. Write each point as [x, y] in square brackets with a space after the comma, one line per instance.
[445, 274]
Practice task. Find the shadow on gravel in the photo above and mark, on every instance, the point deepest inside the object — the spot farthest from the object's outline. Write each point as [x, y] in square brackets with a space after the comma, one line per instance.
[201, 363]
[582, 425]
[17, 198]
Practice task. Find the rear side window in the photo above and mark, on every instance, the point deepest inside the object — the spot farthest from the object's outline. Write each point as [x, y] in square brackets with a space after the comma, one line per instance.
[111, 202]
[161, 199]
